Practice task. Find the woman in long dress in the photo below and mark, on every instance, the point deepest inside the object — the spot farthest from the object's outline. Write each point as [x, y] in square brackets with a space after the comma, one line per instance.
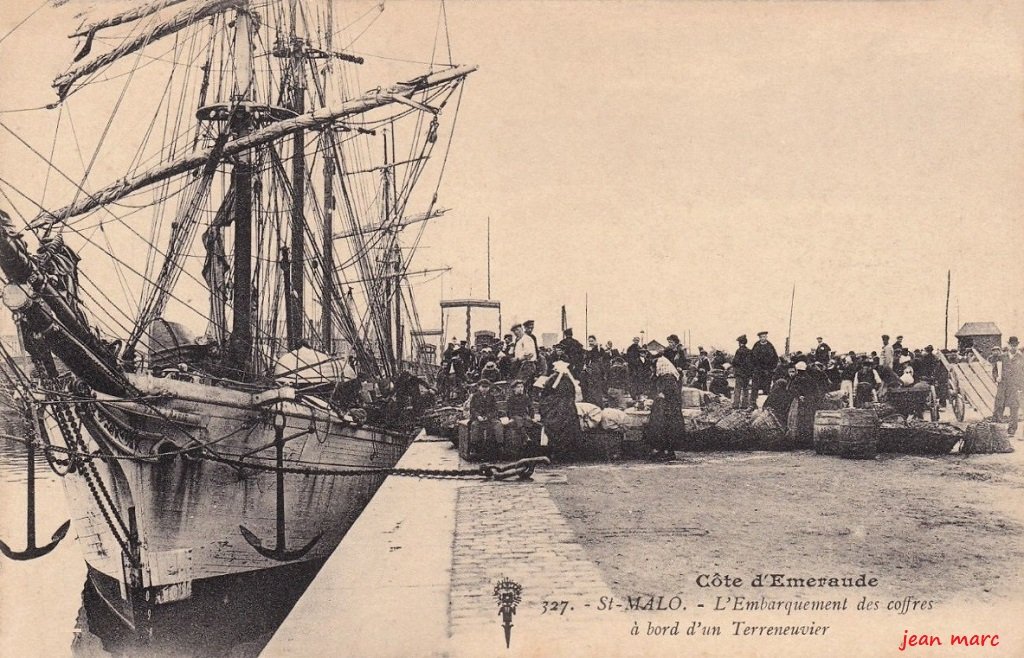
[666, 420]
[558, 410]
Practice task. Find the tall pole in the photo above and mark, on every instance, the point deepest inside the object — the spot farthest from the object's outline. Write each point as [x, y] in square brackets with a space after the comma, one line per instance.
[488, 258]
[949, 285]
[789, 332]
[327, 303]
[399, 329]
[240, 351]
[586, 314]
[295, 304]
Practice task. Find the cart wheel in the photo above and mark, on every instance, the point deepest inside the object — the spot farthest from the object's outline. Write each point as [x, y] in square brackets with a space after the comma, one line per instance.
[959, 408]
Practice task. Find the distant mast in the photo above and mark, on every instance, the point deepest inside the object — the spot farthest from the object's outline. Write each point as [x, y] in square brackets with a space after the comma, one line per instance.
[949, 285]
[789, 332]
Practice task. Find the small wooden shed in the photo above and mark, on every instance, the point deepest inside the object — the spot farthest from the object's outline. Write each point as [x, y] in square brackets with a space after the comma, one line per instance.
[654, 347]
[982, 336]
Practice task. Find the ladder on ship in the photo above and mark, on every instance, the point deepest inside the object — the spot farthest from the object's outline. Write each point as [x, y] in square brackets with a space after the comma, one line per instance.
[974, 379]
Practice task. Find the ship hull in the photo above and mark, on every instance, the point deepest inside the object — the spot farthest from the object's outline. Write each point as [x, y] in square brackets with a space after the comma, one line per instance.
[181, 514]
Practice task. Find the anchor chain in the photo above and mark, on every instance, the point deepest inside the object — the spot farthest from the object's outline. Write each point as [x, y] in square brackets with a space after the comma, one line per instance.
[523, 469]
[81, 460]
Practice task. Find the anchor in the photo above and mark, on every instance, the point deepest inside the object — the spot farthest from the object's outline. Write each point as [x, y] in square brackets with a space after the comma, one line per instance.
[32, 551]
[279, 552]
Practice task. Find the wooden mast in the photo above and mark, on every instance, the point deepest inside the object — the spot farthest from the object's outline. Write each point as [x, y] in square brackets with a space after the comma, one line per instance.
[296, 295]
[327, 296]
[240, 351]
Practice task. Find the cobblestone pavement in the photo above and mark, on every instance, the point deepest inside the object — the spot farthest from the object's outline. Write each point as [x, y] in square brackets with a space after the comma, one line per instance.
[516, 531]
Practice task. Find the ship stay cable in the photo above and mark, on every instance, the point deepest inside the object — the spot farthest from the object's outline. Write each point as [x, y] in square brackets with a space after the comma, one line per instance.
[111, 254]
[118, 261]
[24, 20]
[106, 129]
[383, 243]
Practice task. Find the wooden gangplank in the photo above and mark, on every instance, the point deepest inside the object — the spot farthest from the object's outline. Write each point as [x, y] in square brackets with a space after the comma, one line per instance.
[975, 381]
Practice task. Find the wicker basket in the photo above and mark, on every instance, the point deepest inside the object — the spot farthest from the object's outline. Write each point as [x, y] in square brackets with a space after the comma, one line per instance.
[768, 432]
[917, 437]
[442, 421]
[734, 430]
[883, 409]
[986, 437]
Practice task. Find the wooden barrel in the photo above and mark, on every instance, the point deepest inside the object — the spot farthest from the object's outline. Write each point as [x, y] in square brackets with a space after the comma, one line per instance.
[986, 437]
[826, 431]
[769, 433]
[858, 433]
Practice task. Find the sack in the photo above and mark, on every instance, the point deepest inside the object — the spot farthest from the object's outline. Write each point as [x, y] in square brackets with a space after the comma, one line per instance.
[590, 415]
[613, 420]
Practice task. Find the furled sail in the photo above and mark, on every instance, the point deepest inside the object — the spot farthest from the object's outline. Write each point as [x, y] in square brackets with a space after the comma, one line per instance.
[178, 22]
[310, 121]
[133, 14]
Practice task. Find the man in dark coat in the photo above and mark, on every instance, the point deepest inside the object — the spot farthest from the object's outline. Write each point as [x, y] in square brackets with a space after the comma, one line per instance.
[574, 353]
[822, 352]
[449, 351]
[484, 421]
[703, 368]
[633, 363]
[520, 412]
[764, 359]
[928, 365]
[742, 368]
[676, 353]
[779, 400]
[465, 354]
[595, 373]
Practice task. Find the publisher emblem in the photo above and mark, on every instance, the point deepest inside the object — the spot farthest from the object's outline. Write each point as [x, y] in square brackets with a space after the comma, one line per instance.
[508, 594]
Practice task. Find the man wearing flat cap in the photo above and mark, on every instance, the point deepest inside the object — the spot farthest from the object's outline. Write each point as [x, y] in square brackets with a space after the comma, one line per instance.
[573, 350]
[764, 359]
[1010, 380]
[742, 368]
[525, 355]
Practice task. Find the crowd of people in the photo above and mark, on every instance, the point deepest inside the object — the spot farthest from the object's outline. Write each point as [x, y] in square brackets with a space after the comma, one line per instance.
[605, 376]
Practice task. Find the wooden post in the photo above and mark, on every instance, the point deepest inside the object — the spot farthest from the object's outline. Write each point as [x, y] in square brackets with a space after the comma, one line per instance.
[949, 284]
[789, 332]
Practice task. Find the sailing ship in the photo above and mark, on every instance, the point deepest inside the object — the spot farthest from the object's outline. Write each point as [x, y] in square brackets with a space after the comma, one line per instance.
[255, 178]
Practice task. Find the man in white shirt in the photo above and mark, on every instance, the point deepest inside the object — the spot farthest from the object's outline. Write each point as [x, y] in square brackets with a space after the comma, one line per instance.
[525, 354]
[887, 352]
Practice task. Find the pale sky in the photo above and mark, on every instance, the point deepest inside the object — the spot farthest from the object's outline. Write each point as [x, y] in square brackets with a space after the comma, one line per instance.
[685, 163]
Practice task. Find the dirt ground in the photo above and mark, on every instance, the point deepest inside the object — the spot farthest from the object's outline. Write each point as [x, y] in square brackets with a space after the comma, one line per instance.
[947, 528]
